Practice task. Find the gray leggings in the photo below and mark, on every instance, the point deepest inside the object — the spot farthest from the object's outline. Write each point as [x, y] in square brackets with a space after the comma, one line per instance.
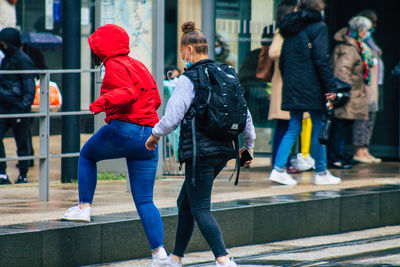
[362, 130]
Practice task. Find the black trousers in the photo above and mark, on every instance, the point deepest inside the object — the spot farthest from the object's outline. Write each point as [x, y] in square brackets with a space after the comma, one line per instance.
[20, 128]
[194, 203]
[338, 138]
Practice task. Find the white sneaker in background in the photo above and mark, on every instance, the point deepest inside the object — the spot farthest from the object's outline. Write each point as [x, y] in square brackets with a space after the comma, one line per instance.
[75, 214]
[282, 178]
[301, 163]
[230, 263]
[310, 161]
[326, 178]
[160, 259]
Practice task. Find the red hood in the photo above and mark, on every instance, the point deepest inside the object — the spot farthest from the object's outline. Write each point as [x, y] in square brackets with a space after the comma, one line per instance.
[109, 41]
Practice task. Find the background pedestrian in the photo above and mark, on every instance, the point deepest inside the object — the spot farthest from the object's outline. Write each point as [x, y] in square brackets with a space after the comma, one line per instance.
[17, 92]
[352, 61]
[307, 82]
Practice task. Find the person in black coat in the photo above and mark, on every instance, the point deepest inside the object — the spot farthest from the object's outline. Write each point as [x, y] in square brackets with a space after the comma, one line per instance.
[17, 92]
[308, 81]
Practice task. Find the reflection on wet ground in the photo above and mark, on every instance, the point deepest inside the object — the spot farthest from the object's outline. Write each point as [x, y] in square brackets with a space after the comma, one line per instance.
[269, 200]
[19, 203]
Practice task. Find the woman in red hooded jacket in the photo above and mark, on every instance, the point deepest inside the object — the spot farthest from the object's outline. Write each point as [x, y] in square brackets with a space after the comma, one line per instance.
[129, 98]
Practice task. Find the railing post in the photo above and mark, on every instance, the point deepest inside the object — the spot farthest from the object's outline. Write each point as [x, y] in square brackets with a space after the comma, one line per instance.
[157, 64]
[208, 24]
[44, 133]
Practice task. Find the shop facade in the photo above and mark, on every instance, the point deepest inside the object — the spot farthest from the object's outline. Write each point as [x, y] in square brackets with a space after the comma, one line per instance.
[233, 28]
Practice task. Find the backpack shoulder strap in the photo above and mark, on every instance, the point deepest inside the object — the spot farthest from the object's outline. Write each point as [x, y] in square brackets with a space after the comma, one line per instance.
[237, 164]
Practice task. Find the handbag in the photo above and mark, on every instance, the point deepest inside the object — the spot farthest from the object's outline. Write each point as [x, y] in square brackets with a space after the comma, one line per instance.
[265, 66]
[325, 133]
[342, 97]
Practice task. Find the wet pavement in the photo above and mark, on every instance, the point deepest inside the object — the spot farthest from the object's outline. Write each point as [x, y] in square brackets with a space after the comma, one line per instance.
[22, 212]
[372, 247]
[20, 204]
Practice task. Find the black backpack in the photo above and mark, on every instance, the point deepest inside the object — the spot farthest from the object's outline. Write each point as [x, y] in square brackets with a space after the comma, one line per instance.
[220, 108]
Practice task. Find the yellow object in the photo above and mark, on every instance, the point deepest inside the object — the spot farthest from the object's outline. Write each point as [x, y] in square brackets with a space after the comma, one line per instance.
[306, 137]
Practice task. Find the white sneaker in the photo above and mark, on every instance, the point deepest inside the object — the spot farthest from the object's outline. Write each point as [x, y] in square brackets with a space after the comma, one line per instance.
[169, 262]
[326, 179]
[301, 163]
[230, 263]
[282, 178]
[160, 259]
[310, 160]
[75, 214]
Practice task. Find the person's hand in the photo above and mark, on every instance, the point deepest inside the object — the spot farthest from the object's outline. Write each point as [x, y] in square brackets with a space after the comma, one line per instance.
[330, 96]
[151, 143]
[95, 108]
[251, 153]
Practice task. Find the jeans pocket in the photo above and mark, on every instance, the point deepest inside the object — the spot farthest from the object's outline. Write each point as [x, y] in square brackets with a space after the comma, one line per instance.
[118, 139]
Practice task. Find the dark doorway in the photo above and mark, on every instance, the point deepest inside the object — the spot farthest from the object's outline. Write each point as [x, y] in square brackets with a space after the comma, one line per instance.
[385, 140]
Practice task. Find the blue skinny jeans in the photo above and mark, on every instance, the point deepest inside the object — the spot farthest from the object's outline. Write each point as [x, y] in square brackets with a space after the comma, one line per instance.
[121, 139]
[280, 131]
[318, 151]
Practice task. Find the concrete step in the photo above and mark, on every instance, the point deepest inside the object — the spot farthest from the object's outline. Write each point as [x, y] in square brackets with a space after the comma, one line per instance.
[120, 236]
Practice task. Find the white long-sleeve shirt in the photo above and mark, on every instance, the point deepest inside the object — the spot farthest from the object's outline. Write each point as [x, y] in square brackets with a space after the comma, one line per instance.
[180, 102]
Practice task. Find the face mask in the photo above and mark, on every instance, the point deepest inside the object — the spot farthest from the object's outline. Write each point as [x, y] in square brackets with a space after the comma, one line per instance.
[323, 14]
[368, 35]
[95, 59]
[190, 63]
[218, 51]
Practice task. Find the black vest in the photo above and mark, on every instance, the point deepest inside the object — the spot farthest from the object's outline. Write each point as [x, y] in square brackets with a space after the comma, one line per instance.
[207, 147]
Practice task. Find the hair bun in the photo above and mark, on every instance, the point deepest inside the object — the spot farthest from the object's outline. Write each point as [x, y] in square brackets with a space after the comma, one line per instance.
[188, 26]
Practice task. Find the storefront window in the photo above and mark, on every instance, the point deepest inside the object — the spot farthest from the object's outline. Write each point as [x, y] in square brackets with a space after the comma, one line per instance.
[239, 32]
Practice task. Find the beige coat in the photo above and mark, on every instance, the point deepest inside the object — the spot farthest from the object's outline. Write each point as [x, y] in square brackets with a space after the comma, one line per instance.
[348, 66]
[275, 111]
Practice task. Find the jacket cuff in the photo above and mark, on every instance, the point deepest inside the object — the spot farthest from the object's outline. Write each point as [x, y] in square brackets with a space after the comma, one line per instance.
[96, 108]
[153, 133]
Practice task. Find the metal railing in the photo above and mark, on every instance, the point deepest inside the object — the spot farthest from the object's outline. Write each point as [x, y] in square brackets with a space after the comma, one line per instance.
[44, 116]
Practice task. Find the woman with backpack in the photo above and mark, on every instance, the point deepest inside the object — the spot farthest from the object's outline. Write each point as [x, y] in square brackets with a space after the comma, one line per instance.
[129, 98]
[308, 81]
[209, 154]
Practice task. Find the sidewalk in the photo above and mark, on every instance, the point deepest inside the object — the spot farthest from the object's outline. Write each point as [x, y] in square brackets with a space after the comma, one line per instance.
[357, 248]
[20, 204]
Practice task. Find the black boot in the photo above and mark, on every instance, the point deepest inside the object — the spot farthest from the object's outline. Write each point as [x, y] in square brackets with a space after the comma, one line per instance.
[21, 180]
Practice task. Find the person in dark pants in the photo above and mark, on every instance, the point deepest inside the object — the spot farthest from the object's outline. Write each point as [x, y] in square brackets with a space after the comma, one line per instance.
[352, 63]
[194, 201]
[17, 92]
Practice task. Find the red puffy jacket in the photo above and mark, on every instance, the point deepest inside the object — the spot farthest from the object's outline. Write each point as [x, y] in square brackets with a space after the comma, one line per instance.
[128, 92]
